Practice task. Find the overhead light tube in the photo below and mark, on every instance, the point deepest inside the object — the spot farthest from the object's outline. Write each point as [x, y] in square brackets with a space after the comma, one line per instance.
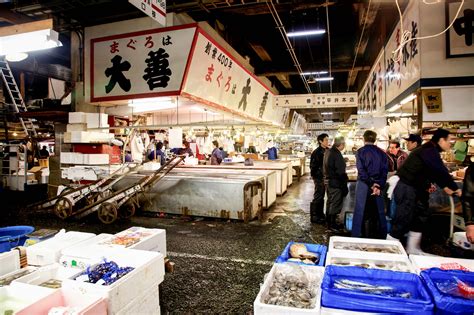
[324, 79]
[306, 33]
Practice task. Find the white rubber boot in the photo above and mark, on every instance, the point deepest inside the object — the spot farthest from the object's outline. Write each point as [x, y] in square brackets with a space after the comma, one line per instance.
[391, 238]
[413, 245]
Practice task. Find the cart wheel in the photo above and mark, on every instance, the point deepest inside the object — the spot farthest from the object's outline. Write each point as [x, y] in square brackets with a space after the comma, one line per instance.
[127, 210]
[107, 212]
[63, 208]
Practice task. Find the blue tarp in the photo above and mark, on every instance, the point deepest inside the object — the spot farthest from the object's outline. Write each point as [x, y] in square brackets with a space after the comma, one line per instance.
[419, 301]
[320, 250]
[436, 279]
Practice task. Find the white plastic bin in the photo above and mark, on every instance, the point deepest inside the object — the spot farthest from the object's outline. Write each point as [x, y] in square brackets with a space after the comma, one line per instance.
[372, 260]
[16, 298]
[149, 270]
[421, 263]
[49, 251]
[261, 308]
[8, 278]
[9, 262]
[139, 238]
[82, 304]
[47, 273]
[365, 246]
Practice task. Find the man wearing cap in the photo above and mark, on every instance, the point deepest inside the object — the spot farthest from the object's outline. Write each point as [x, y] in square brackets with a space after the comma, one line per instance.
[413, 141]
[423, 166]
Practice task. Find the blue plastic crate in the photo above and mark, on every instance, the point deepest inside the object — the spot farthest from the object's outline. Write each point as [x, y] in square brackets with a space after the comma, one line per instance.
[321, 250]
[420, 301]
[12, 236]
[446, 303]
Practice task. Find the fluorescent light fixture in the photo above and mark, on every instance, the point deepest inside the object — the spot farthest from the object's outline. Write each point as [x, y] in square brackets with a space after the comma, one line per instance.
[314, 73]
[327, 121]
[305, 33]
[394, 108]
[408, 99]
[324, 79]
[151, 104]
[15, 57]
[31, 41]
[326, 113]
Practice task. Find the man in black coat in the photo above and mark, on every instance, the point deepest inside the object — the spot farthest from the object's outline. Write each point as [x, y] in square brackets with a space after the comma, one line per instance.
[336, 181]
[316, 165]
[422, 167]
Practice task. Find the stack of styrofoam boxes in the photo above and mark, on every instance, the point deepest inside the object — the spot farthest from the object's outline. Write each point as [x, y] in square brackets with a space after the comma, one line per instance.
[366, 253]
[79, 125]
[137, 239]
[421, 263]
[131, 290]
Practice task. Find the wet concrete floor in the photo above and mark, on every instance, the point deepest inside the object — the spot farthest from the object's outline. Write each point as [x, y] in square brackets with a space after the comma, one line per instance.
[219, 264]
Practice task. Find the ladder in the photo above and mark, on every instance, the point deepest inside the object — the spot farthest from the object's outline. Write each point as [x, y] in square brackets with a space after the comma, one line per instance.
[16, 98]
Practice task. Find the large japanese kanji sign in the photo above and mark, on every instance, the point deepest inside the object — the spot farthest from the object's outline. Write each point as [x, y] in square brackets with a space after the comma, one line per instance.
[143, 64]
[401, 74]
[372, 96]
[215, 77]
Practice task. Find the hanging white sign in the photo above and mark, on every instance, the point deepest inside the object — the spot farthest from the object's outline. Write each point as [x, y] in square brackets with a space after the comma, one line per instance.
[156, 9]
[401, 74]
[143, 64]
[321, 100]
[215, 77]
[372, 96]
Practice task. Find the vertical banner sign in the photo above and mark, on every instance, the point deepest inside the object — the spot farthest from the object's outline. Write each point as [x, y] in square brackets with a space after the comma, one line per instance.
[401, 74]
[372, 96]
[156, 9]
[215, 77]
[459, 38]
[432, 100]
[142, 64]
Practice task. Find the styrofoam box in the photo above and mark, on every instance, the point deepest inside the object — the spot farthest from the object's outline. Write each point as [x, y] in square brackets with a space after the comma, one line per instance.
[261, 308]
[150, 239]
[16, 298]
[421, 263]
[49, 251]
[370, 260]
[12, 276]
[82, 304]
[43, 274]
[366, 242]
[148, 303]
[96, 120]
[85, 256]
[77, 118]
[76, 137]
[149, 270]
[96, 159]
[9, 261]
[76, 127]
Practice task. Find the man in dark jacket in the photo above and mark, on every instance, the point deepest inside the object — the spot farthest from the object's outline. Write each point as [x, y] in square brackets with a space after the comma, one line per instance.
[422, 167]
[396, 156]
[468, 202]
[316, 165]
[372, 168]
[335, 177]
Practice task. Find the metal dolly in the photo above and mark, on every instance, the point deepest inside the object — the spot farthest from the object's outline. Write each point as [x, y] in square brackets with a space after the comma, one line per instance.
[64, 203]
[127, 199]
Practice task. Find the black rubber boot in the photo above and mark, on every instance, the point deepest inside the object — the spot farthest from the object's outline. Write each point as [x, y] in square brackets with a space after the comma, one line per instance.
[317, 214]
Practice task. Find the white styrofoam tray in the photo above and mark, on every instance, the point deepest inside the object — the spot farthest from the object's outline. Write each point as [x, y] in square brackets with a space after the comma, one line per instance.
[43, 274]
[342, 244]
[86, 243]
[261, 308]
[15, 298]
[370, 260]
[9, 261]
[146, 239]
[10, 277]
[49, 251]
[148, 303]
[421, 263]
[149, 270]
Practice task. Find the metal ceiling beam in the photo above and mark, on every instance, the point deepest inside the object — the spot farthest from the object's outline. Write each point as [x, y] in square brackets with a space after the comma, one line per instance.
[12, 17]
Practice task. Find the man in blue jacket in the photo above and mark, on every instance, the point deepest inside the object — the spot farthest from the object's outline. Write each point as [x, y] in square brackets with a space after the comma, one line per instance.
[372, 168]
[422, 167]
